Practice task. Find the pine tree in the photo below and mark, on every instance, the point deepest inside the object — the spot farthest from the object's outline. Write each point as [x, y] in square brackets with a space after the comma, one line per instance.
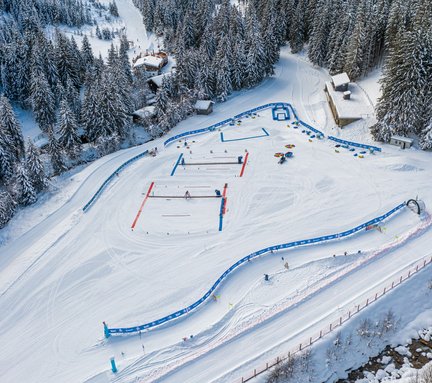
[112, 56]
[162, 100]
[11, 128]
[426, 139]
[113, 9]
[56, 154]
[7, 208]
[223, 79]
[73, 98]
[98, 32]
[87, 53]
[112, 115]
[68, 60]
[223, 69]
[124, 58]
[6, 160]
[89, 111]
[354, 64]
[68, 130]
[297, 28]
[35, 168]
[406, 85]
[24, 192]
[319, 34]
[42, 101]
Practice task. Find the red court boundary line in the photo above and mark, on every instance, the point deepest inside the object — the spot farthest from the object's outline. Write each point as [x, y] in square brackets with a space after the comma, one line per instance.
[142, 205]
[224, 196]
[244, 164]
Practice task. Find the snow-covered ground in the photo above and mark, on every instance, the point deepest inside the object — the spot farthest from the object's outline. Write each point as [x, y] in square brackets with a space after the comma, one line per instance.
[67, 273]
[371, 85]
[129, 21]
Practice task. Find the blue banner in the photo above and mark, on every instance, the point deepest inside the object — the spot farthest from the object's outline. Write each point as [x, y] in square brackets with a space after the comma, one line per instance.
[110, 178]
[177, 314]
[356, 144]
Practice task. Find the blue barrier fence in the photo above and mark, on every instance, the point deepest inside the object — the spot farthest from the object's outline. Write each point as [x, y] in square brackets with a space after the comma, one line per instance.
[311, 128]
[350, 143]
[305, 242]
[110, 178]
[249, 112]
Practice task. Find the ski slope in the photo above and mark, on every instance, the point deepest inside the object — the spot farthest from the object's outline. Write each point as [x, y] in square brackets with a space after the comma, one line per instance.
[73, 270]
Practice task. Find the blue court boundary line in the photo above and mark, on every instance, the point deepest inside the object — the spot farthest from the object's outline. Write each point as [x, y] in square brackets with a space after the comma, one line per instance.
[266, 134]
[177, 164]
[130, 330]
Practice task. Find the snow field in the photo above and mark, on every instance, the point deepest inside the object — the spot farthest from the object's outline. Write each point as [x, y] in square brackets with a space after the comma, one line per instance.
[101, 270]
[251, 157]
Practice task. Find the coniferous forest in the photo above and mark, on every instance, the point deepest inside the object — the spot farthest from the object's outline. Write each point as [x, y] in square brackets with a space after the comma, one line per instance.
[81, 101]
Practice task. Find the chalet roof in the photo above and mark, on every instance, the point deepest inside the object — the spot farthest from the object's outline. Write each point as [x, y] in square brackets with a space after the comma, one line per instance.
[147, 111]
[149, 61]
[340, 79]
[157, 80]
[203, 104]
[403, 139]
[356, 107]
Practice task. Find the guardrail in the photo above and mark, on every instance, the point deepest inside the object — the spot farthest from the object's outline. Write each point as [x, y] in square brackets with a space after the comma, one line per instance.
[129, 330]
[110, 178]
[332, 326]
[350, 143]
[312, 128]
[211, 128]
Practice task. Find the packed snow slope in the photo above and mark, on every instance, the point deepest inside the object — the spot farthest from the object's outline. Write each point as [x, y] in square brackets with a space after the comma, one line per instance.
[71, 271]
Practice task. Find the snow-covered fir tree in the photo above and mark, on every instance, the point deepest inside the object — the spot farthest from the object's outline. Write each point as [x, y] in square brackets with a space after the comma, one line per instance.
[6, 160]
[35, 167]
[7, 208]
[42, 101]
[55, 152]
[10, 129]
[113, 9]
[23, 190]
[426, 140]
[68, 131]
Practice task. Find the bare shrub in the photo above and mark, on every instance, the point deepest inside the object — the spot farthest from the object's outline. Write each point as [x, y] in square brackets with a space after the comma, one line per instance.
[365, 329]
[388, 324]
[282, 371]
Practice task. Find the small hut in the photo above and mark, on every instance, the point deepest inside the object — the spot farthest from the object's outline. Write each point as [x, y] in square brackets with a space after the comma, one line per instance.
[204, 106]
[402, 142]
[340, 82]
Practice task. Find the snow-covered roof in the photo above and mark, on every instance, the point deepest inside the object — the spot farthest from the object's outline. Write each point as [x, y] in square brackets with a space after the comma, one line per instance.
[147, 111]
[403, 139]
[356, 107]
[149, 61]
[203, 104]
[158, 79]
[340, 79]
